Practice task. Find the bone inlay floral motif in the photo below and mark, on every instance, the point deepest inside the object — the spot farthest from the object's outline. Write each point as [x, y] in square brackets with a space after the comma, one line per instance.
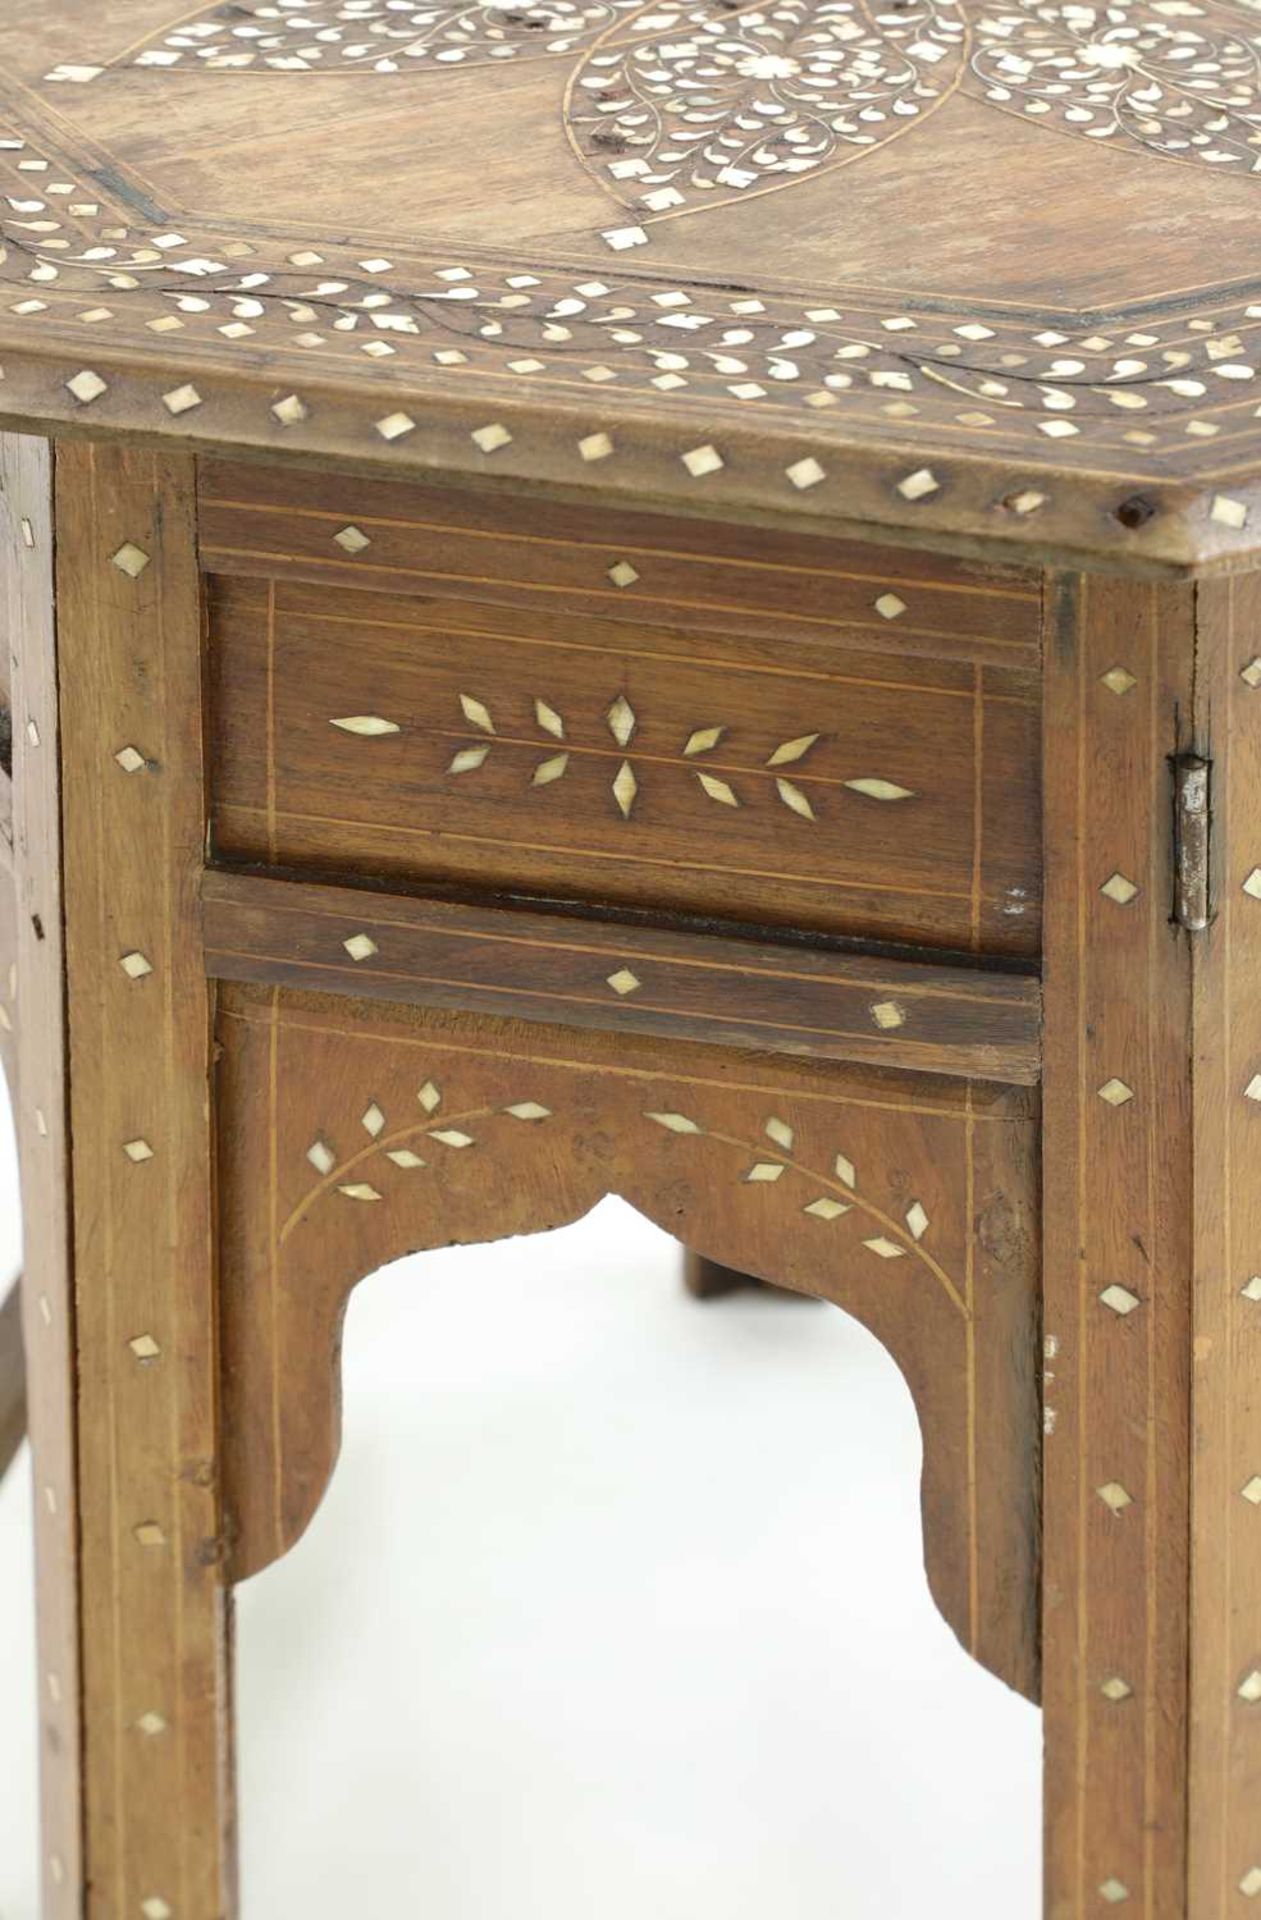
[384, 1145]
[622, 724]
[379, 1147]
[826, 1196]
[678, 106]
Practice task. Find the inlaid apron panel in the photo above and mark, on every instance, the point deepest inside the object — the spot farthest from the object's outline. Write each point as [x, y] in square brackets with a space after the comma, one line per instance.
[848, 746]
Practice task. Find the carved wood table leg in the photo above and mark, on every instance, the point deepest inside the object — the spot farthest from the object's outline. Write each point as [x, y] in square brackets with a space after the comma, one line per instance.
[117, 1184]
[1152, 1634]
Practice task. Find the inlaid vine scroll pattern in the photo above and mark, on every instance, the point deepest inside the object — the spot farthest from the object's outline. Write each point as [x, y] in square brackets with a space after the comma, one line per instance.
[678, 105]
[349, 1138]
[72, 246]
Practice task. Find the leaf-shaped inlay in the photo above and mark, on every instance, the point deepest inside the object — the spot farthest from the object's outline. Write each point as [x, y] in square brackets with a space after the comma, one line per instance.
[1175, 77]
[880, 789]
[369, 726]
[732, 102]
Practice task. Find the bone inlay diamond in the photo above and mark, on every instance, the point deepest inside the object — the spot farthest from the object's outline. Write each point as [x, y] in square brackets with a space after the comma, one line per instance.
[1118, 888]
[291, 411]
[1116, 1689]
[1120, 1299]
[87, 386]
[1114, 1892]
[806, 473]
[623, 981]
[181, 400]
[702, 460]
[1250, 1885]
[918, 485]
[1115, 1497]
[396, 426]
[1249, 1688]
[1118, 680]
[1116, 1093]
[360, 946]
[131, 560]
[352, 539]
[1229, 512]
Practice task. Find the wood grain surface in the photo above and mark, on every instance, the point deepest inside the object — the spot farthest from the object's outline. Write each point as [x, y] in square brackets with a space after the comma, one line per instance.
[483, 548]
[556, 968]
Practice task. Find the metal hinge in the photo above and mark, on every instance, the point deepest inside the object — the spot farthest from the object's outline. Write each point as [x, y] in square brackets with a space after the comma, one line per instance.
[1191, 815]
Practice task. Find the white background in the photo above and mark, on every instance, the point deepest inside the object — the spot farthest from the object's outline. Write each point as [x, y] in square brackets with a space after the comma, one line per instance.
[615, 1608]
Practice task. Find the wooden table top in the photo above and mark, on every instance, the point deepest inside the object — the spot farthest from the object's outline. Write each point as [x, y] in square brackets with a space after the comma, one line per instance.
[968, 273]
